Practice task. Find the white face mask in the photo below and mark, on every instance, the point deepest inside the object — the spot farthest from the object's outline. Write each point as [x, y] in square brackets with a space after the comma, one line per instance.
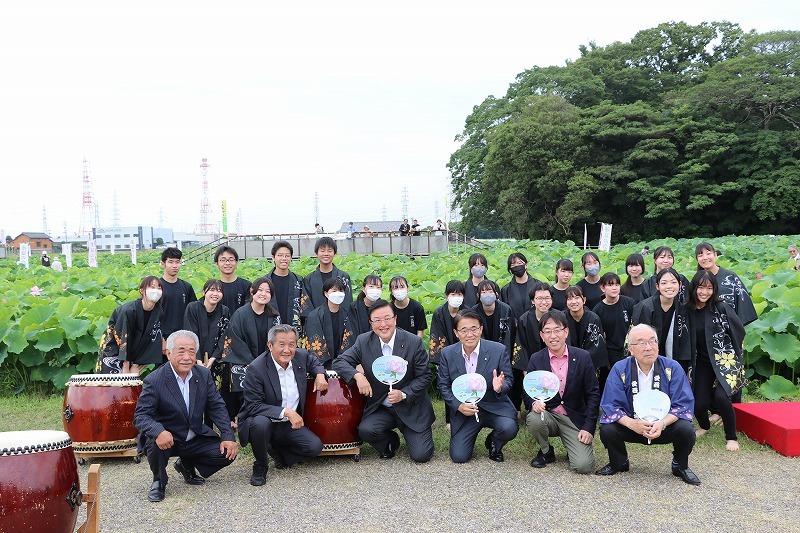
[153, 295]
[336, 297]
[455, 301]
[400, 294]
[374, 294]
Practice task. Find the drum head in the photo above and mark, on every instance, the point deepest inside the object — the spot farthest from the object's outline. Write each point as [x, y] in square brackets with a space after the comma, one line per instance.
[104, 380]
[24, 442]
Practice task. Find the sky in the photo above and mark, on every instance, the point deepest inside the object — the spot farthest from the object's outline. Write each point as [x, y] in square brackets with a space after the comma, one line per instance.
[351, 100]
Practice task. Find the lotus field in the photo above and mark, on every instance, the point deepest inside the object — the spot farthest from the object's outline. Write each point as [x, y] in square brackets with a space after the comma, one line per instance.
[51, 322]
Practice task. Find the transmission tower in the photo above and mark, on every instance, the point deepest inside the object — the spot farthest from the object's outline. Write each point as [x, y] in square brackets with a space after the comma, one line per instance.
[239, 222]
[205, 227]
[404, 201]
[383, 213]
[88, 207]
[316, 208]
[115, 219]
[161, 219]
[44, 221]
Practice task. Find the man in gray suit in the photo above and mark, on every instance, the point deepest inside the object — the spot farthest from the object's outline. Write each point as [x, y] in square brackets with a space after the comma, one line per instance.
[491, 360]
[408, 406]
[271, 418]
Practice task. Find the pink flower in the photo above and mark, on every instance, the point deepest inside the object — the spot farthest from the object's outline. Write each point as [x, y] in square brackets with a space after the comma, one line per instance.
[549, 383]
[476, 385]
[397, 365]
[759, 275]
[35, 291]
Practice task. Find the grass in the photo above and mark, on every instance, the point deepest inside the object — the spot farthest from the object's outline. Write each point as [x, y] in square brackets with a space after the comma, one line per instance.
[30, 412]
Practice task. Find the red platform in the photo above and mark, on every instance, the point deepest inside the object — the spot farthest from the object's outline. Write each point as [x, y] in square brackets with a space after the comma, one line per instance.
[773, 423]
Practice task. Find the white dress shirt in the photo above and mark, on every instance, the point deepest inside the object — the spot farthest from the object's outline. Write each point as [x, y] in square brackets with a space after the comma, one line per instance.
[290, 396]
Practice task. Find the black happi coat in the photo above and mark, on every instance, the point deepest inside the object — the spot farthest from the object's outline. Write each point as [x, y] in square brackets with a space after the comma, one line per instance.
[510, 295]
[359, 315]
[724, 335]
[313, 287]
[527, 341]
[209, 329]
[647, 311]
[297, 299]
[588, 334]
[733, 292]
[242, 335]
[128, 338]
[319, 333]
[442, 333]
[505, 329]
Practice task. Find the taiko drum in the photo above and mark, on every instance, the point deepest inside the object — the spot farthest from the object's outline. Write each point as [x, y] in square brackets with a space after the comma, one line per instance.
[334, 415]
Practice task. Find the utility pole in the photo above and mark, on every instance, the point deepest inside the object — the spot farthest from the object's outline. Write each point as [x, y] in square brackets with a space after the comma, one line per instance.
[404, 202]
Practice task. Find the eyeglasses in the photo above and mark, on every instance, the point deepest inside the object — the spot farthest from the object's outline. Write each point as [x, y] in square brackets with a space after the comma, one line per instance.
[548, 332]
[543, 299]
[378, 321]
[642, 344]
[473, 330]
[226, 260]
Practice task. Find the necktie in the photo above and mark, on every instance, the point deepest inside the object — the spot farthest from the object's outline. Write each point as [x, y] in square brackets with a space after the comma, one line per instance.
[387, 350]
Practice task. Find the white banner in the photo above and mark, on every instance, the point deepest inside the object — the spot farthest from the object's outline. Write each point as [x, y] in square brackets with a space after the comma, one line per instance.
[66, 248]
[25, 254]
[179, 245]
[112, 248]
[605, 236]
[92, 258]
[133, 251]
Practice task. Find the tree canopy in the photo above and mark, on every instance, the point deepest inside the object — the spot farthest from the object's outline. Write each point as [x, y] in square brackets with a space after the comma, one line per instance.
[682, 131]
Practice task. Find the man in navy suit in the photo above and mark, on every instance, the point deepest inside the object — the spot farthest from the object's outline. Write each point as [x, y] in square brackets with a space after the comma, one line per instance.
[271, 418]
[169, 415]
[408, 406]
[572, 413]
[489, 359]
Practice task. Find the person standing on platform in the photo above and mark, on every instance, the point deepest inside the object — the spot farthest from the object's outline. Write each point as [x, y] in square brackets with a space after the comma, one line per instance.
[169, 415]
[271, 419]
[235, 290]
[177, 292]
[407, 406]
[290, 298]
[472, 355]
[405, 228]
[325, 249]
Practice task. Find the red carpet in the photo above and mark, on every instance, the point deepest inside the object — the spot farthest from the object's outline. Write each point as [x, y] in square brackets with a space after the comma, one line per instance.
[773, 423]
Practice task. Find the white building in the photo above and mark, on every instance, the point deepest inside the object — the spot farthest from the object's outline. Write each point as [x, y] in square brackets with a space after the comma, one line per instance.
[121, 237]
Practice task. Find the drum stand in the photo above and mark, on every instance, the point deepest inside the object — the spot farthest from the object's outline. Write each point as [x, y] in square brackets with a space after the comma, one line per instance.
[331, 449]
[92, 500]
[83, 456]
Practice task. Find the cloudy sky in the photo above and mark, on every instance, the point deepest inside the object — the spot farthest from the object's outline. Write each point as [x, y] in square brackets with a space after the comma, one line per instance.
[352, 100]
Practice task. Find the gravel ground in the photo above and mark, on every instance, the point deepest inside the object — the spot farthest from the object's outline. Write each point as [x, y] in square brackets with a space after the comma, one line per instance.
[750, 490]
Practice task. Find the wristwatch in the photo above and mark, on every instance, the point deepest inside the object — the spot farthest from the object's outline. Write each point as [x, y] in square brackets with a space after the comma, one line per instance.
[403, 395]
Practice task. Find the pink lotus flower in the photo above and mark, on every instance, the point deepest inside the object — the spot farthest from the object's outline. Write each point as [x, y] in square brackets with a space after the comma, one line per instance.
[35, 291]
[475, 385]
[759, 275]
[549, 383]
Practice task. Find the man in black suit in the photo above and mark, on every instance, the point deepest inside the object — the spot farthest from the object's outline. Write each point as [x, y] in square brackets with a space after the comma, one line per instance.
[408, 406]
[169, 415]
[271, 418]
[489, 359]
[572, 413]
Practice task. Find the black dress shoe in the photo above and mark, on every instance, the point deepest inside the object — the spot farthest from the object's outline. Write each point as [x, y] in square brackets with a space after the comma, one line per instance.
[391, 448]
[495, 454]
[609, 470]
[280, 463]
[685, 474]
[542, 459]
[189, 475]
[156, 493]
[259, 476]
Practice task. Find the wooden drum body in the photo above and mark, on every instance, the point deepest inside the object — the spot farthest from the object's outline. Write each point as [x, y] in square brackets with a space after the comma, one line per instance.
[98, 412]
[39, 484]
[334, 415]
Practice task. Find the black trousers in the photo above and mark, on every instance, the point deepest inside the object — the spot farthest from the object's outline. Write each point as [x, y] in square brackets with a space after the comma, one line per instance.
[462, 442]
[707, 389]
[516, 388]
[376, 428]
[279, 439]
[680, 434]
[201, 453]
